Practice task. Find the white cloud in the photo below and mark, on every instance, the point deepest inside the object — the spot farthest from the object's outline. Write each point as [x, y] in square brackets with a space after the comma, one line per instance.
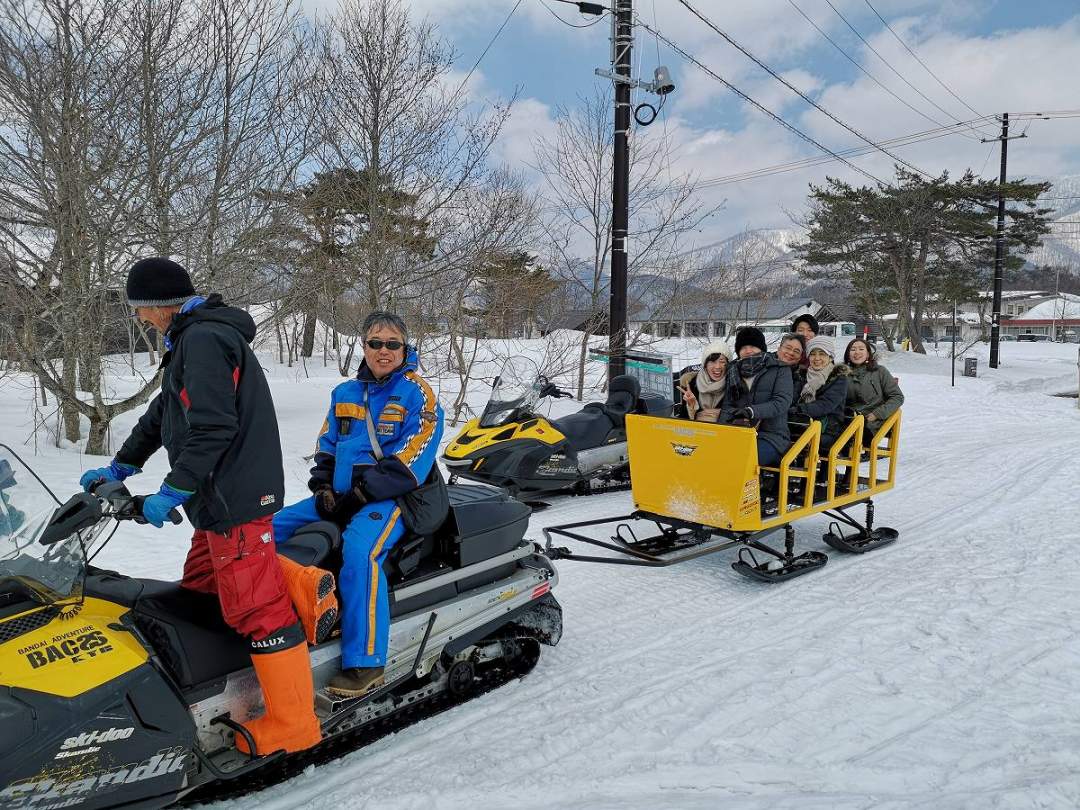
[529, 119]
[1024, 69]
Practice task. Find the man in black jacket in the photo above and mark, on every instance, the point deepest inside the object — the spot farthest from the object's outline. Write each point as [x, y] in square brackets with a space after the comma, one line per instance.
[759, 392]
[215, 418]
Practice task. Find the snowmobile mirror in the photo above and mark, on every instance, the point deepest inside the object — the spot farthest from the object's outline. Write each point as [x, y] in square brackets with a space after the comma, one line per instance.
[80, 512]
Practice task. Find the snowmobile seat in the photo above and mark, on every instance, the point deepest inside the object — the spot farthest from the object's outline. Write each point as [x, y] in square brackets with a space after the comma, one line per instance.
[587, 428]
[623, 394]
[188, 632]
[316, 543]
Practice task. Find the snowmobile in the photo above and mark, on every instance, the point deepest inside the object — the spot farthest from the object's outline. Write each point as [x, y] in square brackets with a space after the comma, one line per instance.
[123, 691]
[512, 447]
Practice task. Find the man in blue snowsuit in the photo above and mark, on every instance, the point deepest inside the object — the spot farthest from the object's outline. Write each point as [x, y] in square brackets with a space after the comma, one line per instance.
[357, 488]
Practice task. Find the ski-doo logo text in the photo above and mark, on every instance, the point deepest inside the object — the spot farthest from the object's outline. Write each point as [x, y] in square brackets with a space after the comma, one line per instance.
[47, 793]
[77, 649]
[684, 449]
[95, 737]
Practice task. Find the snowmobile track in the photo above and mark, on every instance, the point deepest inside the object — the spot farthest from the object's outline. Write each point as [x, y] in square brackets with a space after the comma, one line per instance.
[336, 747]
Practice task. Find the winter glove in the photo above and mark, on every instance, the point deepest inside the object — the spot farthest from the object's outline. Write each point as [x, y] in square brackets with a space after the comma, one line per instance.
[156, 508]
[743, 413]
[326, 503]
[348, 505]
[116, 471]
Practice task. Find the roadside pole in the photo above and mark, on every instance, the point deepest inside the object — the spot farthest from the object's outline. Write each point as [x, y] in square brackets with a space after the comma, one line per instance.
[623, 42]
[954, 344]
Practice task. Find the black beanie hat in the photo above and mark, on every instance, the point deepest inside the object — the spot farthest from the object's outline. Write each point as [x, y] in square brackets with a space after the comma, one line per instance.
[809, 320]
[750, 336]
[158, 282]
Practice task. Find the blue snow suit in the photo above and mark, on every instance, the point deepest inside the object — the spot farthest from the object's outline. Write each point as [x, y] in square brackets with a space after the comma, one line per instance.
[409, 425]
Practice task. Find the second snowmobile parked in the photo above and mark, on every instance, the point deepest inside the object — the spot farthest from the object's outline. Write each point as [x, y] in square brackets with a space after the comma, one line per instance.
[513, 447]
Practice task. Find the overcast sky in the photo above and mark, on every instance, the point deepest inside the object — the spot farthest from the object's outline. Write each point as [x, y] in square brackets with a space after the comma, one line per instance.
[995, 55]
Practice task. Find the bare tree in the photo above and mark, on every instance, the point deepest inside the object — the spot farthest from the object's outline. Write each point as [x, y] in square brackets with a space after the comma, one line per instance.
[134, 127]
[400, 154]
[575, 167]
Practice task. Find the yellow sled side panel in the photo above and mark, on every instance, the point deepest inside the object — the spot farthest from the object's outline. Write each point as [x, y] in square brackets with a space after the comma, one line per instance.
[693, 471]
[473, 437]
[74, 653]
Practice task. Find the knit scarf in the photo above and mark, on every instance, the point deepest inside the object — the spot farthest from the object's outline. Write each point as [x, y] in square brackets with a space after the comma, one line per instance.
[710, 393]
[815, 379]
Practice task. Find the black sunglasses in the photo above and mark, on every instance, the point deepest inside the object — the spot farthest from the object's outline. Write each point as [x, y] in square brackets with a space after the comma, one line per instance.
[392, 345]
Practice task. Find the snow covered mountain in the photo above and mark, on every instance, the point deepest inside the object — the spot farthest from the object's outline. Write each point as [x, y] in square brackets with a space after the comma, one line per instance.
[1062, 245]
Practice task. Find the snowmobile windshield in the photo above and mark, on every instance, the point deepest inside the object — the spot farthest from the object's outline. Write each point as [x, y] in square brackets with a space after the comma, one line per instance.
[45, 573]
[516, 389]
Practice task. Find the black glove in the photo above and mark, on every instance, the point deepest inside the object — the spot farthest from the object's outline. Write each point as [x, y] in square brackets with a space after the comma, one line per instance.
[348, 505]
[326, 503]
[743, 413]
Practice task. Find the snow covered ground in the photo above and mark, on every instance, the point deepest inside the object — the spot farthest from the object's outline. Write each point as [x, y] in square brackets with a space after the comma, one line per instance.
[938, 672]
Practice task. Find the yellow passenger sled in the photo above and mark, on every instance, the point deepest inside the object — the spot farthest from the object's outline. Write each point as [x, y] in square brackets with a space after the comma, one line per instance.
[700, 484]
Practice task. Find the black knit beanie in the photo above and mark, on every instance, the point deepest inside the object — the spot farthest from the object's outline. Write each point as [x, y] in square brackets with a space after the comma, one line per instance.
[158, 282]
[750, 336]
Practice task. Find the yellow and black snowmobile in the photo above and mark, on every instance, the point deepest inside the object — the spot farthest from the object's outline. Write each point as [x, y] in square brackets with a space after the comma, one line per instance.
[119, 691]
[513, 447]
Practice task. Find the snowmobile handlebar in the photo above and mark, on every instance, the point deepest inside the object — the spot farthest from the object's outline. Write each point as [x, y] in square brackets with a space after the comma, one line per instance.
[549, 389]
[126, 506]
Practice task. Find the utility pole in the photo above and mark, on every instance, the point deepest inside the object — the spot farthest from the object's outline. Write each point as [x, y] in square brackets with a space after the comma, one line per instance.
[999, 248]
[622, 44]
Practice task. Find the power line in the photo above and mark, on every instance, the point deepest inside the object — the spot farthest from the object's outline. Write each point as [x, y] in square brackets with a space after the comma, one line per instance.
[870, 75]
[790, 127]
[920, 61]
[797, 91]
[894, 70]
[480, 59]
[780, 168]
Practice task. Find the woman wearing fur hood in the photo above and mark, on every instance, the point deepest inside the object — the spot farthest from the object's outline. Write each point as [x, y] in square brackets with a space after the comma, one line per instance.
[703, 390]
[825, 391]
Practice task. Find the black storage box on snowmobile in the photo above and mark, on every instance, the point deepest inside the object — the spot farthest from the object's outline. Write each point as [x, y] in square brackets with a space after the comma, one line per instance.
[483, 523]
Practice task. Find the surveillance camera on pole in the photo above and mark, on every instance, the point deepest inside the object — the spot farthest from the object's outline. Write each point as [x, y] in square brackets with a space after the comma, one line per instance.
[661, 83]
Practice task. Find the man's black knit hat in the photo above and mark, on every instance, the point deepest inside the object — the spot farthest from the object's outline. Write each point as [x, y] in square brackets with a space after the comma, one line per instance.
[750, 336]
[158, 282]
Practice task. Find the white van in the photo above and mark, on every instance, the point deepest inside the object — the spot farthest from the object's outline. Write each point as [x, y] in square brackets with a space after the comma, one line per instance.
[841, 332]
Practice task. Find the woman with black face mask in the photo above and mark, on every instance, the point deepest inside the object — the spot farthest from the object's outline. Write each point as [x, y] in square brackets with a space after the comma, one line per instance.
[759, 393]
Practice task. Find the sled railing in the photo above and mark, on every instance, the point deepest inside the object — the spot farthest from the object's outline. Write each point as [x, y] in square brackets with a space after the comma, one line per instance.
[708, 474]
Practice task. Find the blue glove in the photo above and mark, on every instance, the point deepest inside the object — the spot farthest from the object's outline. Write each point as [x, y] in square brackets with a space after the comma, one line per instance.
[156, 507]
[116, 471]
